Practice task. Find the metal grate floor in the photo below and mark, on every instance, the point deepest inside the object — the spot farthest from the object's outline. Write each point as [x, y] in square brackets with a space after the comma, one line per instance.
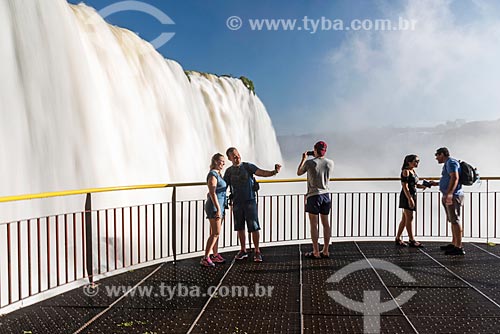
[287, 293]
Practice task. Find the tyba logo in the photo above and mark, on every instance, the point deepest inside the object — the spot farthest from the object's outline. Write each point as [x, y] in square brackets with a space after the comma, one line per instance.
[138, 6]
[371, 307]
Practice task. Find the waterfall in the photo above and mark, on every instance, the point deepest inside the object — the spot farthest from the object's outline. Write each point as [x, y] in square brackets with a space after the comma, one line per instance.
[86, 104]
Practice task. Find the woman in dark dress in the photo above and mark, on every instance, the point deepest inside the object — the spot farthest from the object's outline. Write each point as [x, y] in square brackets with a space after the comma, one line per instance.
[408, 199]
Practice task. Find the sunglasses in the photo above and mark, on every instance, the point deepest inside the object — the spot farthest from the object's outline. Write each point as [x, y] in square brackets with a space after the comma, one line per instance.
[417, 161]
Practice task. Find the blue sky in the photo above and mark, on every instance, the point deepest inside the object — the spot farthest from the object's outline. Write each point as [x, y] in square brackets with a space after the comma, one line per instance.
[337, 80]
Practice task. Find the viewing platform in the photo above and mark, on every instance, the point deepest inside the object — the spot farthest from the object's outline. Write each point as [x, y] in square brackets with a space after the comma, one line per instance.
[454, 294]
[134, 268]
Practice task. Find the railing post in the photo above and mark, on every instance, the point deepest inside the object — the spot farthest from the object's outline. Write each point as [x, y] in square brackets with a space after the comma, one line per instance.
[487, 212]
[174, 223]
[88, 238]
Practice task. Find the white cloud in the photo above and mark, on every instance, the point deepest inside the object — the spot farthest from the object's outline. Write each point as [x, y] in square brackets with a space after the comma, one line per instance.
[446, 69]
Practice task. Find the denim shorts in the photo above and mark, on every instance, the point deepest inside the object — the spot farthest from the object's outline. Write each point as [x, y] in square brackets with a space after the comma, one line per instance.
[211, 210]
[246, 212]
[211, 214]
[319, 204]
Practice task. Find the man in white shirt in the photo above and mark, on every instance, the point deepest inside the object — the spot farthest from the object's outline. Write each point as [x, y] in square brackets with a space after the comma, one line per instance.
[318, 201]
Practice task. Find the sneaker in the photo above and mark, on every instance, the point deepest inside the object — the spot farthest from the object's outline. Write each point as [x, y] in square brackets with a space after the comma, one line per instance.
[257, 257]
[206, 262]
[241, 255]
[447, 247]
[217, 258]
[455, 251]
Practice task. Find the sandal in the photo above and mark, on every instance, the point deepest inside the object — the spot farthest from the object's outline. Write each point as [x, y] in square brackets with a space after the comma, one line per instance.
[324, 256]
[416, 244]
[311, 255]
[400, 243]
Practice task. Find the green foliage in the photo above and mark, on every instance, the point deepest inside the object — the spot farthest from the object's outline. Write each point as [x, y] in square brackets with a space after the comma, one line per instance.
[248, 83]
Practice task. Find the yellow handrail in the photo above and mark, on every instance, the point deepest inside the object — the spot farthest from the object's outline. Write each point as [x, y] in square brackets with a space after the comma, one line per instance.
[77, 192]
[189, 184]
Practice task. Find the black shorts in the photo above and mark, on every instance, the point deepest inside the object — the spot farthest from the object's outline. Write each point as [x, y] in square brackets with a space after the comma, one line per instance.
[319, 204]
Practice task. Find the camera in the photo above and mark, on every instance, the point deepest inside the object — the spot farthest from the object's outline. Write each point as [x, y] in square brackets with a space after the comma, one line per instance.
[427, 184]
[310, 152]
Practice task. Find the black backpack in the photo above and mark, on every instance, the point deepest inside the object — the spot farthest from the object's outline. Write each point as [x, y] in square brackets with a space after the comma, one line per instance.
[256, 185]
[468, 174]
[250, 175]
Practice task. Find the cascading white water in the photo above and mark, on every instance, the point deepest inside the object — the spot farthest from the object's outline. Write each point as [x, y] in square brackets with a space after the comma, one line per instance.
[86, 104]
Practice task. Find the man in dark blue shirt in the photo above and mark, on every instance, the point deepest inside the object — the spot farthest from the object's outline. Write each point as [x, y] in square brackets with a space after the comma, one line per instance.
[239, 177]
[452, 199]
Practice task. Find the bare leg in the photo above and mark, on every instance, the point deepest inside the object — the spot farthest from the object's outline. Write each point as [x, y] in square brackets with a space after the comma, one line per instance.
[409, 223]
[216, 244]
[456, 230]
[255, 239]
[242, 237]
[313, 220]
[214, 236]
[401, 227]
[453, 237]
[326, 233]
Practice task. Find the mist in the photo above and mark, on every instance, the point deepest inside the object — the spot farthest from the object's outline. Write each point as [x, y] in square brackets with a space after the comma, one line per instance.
[445, 69]
[393, 93]
[379, 152]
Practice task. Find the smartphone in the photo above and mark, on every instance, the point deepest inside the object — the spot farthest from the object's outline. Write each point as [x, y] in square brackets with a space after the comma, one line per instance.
[310, 152]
